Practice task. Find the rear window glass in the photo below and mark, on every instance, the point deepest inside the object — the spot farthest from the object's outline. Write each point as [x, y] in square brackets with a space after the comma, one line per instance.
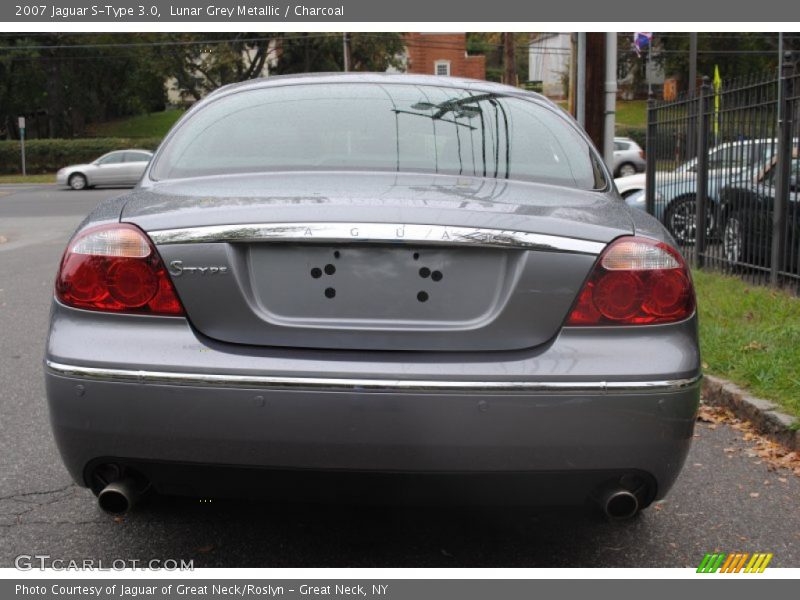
[380, 127]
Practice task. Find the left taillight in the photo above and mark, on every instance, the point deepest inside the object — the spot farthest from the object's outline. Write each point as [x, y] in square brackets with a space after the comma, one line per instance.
[116, 268]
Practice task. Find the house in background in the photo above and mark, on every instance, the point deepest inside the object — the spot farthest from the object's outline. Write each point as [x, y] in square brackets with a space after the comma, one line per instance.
[548, 62]
[549, 56]
[442, 54]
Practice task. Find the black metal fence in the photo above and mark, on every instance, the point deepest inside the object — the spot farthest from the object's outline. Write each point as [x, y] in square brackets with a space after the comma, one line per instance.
[723, 174]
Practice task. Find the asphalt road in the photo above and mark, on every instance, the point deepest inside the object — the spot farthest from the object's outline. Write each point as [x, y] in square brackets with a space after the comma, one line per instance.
[712, 507]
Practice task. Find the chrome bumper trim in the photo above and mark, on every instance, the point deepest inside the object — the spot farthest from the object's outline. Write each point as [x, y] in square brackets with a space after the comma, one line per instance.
[372, 385]
[394, 233]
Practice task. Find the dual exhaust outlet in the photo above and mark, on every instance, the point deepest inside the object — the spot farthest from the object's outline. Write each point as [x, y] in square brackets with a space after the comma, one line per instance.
[119, 497]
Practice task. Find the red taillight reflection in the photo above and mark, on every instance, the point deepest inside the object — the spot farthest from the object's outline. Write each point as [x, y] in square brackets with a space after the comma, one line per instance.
[115, 268]
[636, 281]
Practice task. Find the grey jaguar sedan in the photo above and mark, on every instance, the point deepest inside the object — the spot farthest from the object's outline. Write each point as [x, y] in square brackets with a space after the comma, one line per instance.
[428, 284]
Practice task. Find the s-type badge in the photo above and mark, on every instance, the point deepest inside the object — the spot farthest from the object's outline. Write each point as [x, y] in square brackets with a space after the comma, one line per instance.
[177, 268]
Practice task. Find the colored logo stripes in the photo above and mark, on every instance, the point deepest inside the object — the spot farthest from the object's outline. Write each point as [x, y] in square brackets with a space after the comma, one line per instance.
[734, 563]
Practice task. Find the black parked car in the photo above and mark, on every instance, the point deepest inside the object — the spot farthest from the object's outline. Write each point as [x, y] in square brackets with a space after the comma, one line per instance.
[749, 212]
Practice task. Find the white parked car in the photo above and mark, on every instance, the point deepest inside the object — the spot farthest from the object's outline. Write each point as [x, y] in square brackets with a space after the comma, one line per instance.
[630, 185]
[121, 167]
[628, 157]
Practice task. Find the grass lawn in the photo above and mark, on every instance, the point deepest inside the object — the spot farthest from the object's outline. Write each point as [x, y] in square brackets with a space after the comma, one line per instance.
[751, 335]
[632, 113]
[45, 178]
[139, 126]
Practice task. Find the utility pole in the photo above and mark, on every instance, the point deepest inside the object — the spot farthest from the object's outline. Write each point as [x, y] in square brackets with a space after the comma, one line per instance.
[692, 62]
[346, 51]
[572, 75]
[22, 144]
[691, 133]
[509, 60]
[580, 88]
[611, 98]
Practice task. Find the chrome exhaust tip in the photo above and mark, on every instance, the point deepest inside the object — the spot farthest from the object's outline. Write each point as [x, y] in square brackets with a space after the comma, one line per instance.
[619, 504]
[118, 497]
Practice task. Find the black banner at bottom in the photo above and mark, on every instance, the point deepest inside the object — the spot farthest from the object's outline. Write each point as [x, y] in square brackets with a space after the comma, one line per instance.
[393, 589]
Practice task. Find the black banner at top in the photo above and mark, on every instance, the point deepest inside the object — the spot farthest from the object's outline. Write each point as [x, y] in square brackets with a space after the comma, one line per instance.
[470, 11]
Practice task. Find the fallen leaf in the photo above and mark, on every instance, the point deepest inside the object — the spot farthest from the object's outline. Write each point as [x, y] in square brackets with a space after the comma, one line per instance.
[754, 494]
[771, 454]
[754, 345]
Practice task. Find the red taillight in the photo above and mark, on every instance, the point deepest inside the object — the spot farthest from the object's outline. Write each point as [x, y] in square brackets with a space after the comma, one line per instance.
[636, 281]
[116, 268]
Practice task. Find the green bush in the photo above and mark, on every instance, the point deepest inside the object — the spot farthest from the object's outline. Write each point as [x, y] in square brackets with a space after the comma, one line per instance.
[47, 156]
[637, 134]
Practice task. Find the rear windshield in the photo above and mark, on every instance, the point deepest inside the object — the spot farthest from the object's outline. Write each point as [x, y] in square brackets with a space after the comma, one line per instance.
[382, 127]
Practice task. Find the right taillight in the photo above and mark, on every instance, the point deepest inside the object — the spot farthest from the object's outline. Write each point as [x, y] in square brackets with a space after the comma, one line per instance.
[636, 281]
[116, 268]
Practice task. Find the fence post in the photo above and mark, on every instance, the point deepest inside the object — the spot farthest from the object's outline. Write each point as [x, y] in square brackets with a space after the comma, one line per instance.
[650, 153]
[783, 168]
[701, 192]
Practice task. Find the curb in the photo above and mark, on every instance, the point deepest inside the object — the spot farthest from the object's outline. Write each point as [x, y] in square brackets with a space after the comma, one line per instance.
[768, 421]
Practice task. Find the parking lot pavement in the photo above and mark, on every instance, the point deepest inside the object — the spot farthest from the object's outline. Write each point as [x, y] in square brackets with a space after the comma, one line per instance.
[725, 500]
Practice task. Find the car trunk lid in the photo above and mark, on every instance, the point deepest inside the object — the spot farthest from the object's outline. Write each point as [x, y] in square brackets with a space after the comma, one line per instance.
[377, 262]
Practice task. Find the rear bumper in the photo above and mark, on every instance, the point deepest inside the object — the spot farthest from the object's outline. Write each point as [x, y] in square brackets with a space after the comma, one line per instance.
[386, 431]
[147, 398]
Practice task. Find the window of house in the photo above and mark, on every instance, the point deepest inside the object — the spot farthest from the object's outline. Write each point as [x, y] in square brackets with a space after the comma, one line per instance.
[442, 67]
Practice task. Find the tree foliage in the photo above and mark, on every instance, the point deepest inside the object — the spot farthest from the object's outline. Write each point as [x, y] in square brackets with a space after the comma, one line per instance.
[735, 54]
[60, 82]
[63, 82]
[491, 46]
[313, 52]
[199, 63]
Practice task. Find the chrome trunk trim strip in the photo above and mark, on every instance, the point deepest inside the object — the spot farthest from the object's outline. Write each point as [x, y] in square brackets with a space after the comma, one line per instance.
[394, 233]
[364, 385]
